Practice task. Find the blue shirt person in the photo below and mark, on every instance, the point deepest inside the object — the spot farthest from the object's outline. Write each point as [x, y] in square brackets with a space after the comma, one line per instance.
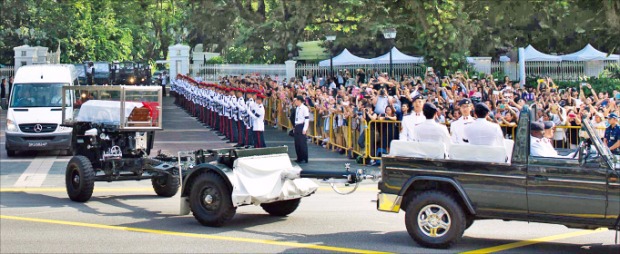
[612, 134]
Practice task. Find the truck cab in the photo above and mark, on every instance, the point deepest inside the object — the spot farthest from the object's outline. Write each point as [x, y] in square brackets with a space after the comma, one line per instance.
[444, 193]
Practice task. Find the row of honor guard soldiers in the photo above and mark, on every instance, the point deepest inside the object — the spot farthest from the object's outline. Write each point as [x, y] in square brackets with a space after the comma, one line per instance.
[236, 113]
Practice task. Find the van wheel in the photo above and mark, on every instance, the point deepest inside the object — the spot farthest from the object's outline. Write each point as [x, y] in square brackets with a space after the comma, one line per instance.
[10, 153]
[434, 219]
[210, 200]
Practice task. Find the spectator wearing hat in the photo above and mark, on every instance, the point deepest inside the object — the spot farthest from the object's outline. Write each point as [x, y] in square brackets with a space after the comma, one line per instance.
[301, 122]
[430, 130]
[457, 128]
[483, 132]
[612, 134]
[258, 122]
[410, 121]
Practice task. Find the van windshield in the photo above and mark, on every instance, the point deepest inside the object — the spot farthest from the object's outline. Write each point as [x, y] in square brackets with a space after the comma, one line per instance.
[37, 95]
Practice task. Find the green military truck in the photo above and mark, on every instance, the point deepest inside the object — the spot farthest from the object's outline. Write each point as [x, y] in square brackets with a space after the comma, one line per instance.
[443, 194]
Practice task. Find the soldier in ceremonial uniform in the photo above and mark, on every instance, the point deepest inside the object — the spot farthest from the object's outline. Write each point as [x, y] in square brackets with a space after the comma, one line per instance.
[249, 123]
[240, 121]
[457, 128]
[430, 130]
[540, 145]
[234, 108]
[612, 134]
[483, 132]
[410, 121]
[258, 122]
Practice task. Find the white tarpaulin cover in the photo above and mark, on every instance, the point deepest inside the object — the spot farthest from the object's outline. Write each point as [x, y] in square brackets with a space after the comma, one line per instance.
[397, 58]
[589, 53]
[531, 55]
[264, 179]
[99, 111]
[345, 58]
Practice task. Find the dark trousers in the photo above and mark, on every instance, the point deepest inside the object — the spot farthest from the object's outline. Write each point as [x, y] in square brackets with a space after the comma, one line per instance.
[301, 144]
[235, 131]
[240, 133]
[259, 139]
[249, 137]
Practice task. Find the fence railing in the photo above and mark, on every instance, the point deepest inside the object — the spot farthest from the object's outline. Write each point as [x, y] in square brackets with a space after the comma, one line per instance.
[7, 72]
[314, 70]
[211, 72]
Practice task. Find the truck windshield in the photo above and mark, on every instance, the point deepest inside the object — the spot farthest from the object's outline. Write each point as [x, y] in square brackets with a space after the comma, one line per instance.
[603, 149]
[102, 67]
[37, 95]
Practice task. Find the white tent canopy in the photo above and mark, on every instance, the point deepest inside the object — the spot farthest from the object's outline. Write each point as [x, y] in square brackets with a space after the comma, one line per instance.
[397, 58]
[345, 58]
[531, 55]
[589, 53]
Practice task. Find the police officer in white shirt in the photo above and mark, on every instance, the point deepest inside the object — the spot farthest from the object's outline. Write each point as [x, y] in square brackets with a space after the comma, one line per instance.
[302, 122]
[430, 130]
[258, 117]
[457, 128]
[540, 146]
[483, 132]
[410, 121]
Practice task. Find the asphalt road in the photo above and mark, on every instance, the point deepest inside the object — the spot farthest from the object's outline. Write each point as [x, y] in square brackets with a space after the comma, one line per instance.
[127, 217]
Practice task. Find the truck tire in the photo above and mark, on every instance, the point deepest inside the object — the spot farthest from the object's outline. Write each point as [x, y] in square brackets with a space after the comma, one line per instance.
[165, 186]
[281, 208]
[210, 200]
[434, 219]
[80, 179]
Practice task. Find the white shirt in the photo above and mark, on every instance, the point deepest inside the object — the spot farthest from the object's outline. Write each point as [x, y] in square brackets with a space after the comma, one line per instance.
[541, 147]
[457, 129]
[408, 123]
[302, 116]
[258, 117]
[483, 132]
[431, 131]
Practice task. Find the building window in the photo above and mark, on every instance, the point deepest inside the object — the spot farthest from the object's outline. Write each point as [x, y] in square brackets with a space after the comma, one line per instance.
[23, 53]
[24, 63]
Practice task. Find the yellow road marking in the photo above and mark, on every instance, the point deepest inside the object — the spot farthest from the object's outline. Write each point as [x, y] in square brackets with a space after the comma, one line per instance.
[192, 235]
[127, 189]
[534, 241]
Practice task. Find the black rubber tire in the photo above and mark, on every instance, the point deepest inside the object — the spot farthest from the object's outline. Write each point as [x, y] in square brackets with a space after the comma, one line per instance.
[11, 153]
[454, 212]
[80, 189]
[220, 210]
[281, 208]
[166, 186]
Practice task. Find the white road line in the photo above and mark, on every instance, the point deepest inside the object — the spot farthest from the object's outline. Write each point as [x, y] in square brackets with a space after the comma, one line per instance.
[30, 160]
[189, 142]
[36, 172]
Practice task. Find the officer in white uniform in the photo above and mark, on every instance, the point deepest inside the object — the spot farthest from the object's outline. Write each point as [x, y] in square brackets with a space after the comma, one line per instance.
[483, 132]
[430, 130]
[241, 111]
[540, 146]
[302, 122]
[258, 117]
[457, 128]
[410, 121]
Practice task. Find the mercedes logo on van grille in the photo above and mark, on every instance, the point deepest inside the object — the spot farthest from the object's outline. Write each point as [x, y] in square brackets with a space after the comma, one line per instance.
[38, 128]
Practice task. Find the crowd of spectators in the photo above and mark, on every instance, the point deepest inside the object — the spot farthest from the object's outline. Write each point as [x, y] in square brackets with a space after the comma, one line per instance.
[348, 99]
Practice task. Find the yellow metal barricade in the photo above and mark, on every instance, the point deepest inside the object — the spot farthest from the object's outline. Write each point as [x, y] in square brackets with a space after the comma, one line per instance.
[339, 133]
[360, 125]
[270, 109]
[379, 135]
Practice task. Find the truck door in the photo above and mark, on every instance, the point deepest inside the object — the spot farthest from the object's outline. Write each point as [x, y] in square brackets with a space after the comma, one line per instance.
[565, 190]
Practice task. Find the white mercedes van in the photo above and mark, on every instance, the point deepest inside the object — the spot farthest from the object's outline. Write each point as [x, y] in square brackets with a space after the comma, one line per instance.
[35, 109]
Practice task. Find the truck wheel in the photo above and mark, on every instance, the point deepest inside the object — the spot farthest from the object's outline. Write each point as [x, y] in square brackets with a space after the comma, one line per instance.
[434, 219]
[80, 179]
[281, 208]
[165, 186]
[210, 200]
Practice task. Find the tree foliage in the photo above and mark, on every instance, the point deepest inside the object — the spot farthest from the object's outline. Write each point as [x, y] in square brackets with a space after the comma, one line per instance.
[267, 31]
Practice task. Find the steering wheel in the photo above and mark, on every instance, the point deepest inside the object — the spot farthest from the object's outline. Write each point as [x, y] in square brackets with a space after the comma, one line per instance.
[584, 151]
